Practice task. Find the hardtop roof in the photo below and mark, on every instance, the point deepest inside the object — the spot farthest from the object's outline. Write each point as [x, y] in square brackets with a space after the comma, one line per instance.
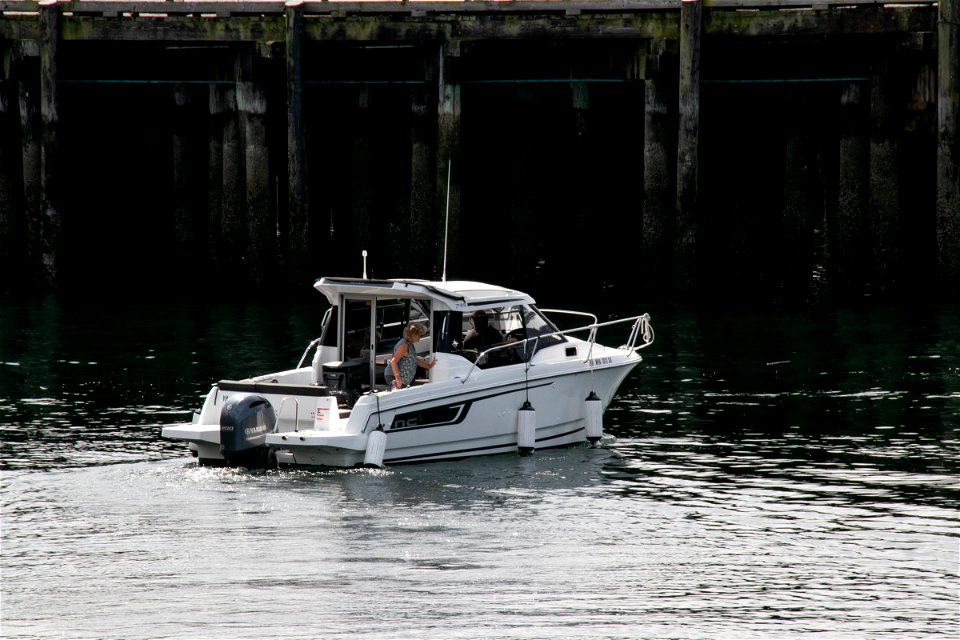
[455, 294]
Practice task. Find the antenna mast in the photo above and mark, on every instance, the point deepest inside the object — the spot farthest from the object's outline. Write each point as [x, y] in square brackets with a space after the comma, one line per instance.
[446, 224]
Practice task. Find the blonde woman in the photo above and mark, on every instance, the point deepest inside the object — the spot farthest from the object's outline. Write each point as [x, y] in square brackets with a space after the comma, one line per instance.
[402, 367]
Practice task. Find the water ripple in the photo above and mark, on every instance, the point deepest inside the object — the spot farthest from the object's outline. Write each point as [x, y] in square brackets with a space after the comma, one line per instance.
[765, 477]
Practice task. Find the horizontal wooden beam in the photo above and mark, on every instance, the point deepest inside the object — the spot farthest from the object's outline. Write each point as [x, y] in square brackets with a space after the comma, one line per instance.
[862, 20]
[441, 21]
[424, 7]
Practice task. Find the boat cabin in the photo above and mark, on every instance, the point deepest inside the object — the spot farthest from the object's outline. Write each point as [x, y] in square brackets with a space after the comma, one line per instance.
[468, 319]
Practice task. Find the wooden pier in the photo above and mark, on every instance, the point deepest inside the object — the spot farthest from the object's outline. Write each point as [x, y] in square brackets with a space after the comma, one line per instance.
[769, 145]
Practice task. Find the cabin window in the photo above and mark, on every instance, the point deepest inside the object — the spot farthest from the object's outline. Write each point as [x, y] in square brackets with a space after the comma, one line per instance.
[356, 328]
[537, 324]
[393, 315]
[389, 316]
[513, 324]
[447, 329]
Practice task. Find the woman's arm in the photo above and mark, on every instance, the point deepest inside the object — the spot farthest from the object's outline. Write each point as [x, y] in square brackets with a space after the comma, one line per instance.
[398, 353]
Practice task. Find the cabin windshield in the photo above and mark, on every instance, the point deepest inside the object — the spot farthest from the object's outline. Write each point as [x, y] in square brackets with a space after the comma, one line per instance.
[486, 328]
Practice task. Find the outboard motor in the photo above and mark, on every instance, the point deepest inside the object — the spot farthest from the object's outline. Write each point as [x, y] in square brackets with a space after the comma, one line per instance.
[245, 420]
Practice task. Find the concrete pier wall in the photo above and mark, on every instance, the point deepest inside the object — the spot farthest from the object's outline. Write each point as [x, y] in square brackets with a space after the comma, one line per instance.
[796, 149]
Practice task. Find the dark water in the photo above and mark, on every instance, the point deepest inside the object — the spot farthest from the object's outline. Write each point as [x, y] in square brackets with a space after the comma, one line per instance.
[775, 474]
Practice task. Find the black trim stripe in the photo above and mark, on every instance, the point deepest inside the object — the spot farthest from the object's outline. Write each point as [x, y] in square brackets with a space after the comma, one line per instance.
[461, 401]
[462, 409]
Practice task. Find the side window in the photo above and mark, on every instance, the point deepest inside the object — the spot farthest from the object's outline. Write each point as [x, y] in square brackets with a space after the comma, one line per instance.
[537, 325]
[356, 328]
[447, 331]
[517, 324]
[393, 314]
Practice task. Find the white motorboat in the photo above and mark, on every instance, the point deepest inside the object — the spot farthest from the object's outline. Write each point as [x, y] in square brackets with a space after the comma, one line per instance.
[530, 385]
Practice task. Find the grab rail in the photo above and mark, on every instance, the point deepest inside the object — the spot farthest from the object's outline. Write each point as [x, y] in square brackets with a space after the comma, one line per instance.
[323, 323]
[303, 358]
[296, 419]
[641, 328]
[572, 313]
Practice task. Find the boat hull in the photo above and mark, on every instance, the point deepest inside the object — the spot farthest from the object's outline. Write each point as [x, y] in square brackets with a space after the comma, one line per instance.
[433, 425]
[443, 420]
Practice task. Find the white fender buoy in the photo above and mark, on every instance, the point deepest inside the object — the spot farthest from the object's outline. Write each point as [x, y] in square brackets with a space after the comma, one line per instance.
[526, 429]
[376, 447]
[594, 417]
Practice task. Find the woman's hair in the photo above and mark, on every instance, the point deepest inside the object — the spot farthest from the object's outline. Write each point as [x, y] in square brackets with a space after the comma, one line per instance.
[413, 330]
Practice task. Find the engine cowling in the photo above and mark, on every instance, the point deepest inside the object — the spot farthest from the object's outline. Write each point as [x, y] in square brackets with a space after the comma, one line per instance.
[245, 421]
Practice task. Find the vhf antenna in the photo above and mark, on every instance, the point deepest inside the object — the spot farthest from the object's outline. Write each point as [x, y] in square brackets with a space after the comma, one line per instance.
[446, 224]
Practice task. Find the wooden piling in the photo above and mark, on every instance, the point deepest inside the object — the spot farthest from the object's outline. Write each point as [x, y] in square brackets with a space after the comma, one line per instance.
[423, 175]
[658, 197]
[215, 180]
[49, 147]
[847, 239]
[233, 215]
[948, 144]
[11, 220]
[298, 230]
[797, 248]
[580, 93]
[688, 140]
[31, 143]
[183, 214]
[363, 184]
[261, 222]
[884, 178]
[585, 210]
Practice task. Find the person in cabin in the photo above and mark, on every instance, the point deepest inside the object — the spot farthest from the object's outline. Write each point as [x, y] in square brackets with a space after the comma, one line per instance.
[402, 366]
[482, 335]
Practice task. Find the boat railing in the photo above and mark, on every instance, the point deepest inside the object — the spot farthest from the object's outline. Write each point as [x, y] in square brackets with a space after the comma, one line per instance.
[296, 416]
[306, 352]
[641, 329]
[314, 343]
[584, 314]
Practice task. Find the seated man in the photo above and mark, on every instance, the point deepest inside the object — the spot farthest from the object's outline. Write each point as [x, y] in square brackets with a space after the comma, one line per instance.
[482, 336]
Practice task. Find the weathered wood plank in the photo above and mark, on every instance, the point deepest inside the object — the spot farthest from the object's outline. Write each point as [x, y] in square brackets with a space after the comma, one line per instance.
[267, 7]
[866, 19]
[405, 21]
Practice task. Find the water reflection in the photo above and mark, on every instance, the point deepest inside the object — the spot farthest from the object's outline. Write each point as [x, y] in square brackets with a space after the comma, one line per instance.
[88, 384]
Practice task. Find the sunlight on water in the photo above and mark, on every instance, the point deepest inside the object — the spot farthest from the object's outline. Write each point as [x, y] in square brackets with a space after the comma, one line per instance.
[503, 547]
